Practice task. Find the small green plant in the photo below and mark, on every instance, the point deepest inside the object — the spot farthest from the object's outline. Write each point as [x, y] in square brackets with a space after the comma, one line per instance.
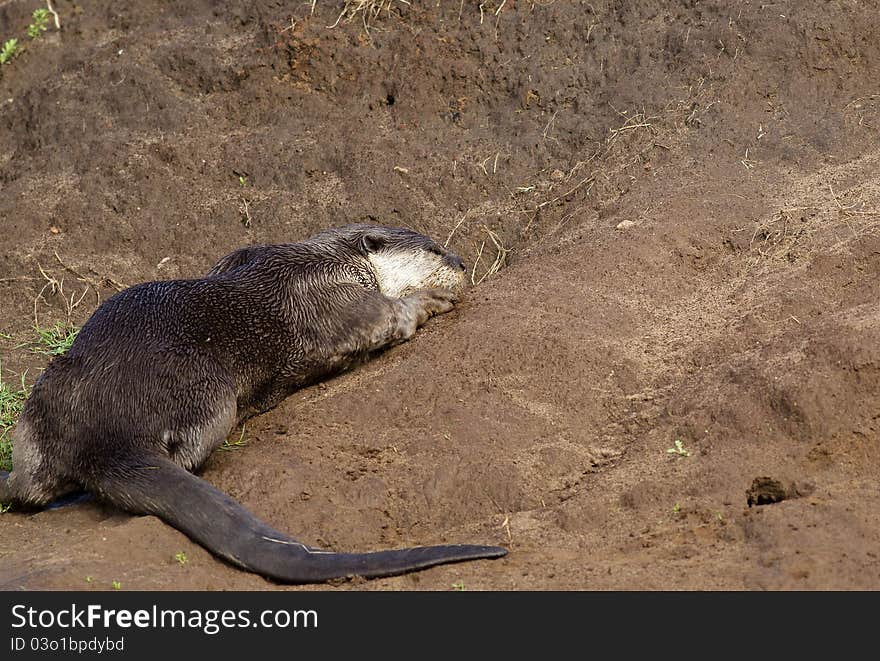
[89, 579]
[676, 508]
[678, 450]
[459, 587]
[180, 556]
[116, 585]
[11, 402]
[242, 180]
[5, 507]
[55, 340]
[40, 24]
[8, 50]
[235, 445]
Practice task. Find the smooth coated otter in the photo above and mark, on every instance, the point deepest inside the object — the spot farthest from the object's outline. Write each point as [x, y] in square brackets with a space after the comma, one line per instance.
[163, 371]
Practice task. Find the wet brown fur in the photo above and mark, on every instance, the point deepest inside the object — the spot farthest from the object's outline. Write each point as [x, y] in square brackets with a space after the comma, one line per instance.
[163, 371]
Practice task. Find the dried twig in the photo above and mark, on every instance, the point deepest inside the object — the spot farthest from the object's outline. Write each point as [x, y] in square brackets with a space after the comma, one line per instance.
[369, 10]
[245, 211]
[547, 128]
[57, 287]
[497, 264]
[54, 14]
[79, 275]
[457, 225]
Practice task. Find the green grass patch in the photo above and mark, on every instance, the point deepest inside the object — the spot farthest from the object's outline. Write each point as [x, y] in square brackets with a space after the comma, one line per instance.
[678, 450]
[12, 398]
[40, 23]
[55, 340]
[8, 50]
[235, 444]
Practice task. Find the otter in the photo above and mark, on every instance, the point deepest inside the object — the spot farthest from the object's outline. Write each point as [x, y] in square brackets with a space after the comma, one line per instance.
[163, 371]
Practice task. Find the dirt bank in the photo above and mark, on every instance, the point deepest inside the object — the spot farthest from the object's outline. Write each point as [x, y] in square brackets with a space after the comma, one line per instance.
[670, 211]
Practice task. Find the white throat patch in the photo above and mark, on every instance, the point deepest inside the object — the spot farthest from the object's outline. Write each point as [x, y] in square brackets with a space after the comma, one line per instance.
[400, 273]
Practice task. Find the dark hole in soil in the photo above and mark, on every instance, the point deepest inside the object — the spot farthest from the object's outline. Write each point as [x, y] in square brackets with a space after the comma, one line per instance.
[390, 99]
[766, 491]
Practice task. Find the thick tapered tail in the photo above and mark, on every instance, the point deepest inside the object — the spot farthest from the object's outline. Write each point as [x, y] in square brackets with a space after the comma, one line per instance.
[156, 485]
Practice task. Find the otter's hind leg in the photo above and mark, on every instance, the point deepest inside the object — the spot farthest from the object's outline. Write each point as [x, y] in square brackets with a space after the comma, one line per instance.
[19, 489]
[32, 482]
[5, 492]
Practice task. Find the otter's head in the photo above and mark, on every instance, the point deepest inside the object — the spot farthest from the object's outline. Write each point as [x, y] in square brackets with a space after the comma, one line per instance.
[404, 261]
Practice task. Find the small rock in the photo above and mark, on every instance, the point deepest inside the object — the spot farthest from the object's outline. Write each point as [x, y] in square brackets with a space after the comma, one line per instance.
[55, 230]
[556, 175]
[625, 224]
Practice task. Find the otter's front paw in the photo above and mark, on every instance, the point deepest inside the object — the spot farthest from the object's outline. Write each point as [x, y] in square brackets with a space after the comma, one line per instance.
[433, 301]
[422, 305]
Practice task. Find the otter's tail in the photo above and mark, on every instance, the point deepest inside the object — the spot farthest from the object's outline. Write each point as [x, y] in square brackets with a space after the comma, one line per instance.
[156, 485]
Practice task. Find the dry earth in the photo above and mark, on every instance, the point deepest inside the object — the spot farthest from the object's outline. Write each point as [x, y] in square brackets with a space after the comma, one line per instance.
[671, 213]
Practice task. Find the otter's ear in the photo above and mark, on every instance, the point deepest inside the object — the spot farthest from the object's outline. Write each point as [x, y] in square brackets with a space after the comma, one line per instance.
[371, 242]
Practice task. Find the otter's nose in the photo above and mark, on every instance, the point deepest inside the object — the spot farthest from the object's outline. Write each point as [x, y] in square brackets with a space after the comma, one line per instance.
[455, 261]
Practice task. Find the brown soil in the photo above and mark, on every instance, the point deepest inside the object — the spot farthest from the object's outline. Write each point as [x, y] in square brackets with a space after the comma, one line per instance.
[688, 199]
